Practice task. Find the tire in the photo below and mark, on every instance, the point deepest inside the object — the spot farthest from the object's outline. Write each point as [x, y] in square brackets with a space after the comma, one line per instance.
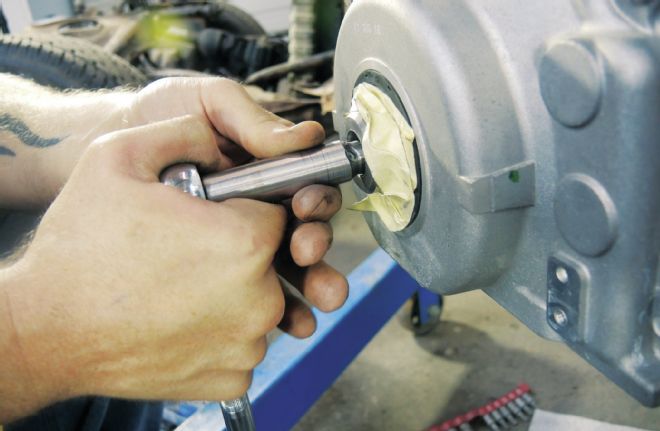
[66, 62]
[235, 20]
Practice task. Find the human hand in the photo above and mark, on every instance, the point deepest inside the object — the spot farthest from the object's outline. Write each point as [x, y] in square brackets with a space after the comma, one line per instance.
[147, 150]
[133, 289]
[242, 130]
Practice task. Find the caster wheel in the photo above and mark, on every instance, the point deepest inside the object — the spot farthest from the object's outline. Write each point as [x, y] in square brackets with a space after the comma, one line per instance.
[425, 312]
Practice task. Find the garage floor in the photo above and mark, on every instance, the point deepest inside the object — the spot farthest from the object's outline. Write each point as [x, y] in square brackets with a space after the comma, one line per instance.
[479, 351]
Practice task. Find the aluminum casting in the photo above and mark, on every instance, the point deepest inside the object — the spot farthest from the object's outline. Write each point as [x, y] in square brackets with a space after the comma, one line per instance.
[537, 127]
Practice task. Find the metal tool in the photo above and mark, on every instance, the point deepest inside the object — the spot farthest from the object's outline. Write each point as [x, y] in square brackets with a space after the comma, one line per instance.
[276, 179]
[238, 414]
[271, 180]
[499, 414]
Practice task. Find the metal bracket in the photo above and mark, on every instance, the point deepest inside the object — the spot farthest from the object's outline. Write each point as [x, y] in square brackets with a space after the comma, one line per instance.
[565, 280]
[507, 188]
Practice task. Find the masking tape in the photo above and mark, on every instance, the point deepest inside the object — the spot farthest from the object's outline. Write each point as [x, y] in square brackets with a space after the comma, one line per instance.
[388, 149]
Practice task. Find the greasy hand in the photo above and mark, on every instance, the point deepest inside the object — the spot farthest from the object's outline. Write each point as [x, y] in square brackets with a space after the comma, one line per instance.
[242, 129]
[135, 289]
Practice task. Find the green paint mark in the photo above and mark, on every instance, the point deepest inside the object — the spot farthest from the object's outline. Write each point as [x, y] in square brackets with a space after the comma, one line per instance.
[514, 176]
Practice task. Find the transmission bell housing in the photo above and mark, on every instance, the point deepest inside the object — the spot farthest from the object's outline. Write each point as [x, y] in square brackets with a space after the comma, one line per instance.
[537, 131]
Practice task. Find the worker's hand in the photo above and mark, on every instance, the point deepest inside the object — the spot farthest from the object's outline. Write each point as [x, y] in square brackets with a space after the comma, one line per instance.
[243, 130]
[131, 288]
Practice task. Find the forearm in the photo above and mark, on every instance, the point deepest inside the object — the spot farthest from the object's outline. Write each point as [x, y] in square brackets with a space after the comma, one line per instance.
[18, 394]
[42, 134]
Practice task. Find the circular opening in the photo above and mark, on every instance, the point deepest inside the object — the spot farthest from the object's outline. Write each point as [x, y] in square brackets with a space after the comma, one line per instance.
[560, 317]
[377, 80]
[561, 274]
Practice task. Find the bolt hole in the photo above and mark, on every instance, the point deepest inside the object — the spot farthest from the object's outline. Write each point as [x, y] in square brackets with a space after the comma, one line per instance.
[561, 274]
[560, 317]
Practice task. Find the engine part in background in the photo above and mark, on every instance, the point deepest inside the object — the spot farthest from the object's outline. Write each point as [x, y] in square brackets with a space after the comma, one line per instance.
[536, 128]
[228, 54]
[301, 30]
[210, 38]
[279, 70]
[313, 29]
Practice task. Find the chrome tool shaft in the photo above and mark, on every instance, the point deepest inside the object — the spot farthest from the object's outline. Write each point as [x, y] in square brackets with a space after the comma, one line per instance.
[279, 178]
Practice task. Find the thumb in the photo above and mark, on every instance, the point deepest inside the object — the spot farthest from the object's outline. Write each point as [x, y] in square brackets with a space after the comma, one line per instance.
[145, 151]
[263, 134]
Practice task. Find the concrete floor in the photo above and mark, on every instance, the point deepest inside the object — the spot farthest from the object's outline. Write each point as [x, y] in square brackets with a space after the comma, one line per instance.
[478, 352]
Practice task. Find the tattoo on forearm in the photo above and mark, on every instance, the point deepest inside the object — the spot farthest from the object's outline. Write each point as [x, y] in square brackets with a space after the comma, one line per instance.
[22, 131]
[4, 151]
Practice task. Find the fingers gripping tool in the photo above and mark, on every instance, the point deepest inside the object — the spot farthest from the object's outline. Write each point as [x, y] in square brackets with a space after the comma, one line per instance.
[269, 180]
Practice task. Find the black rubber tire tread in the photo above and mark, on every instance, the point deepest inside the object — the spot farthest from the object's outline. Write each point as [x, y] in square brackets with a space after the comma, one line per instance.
[237, 21]
[66, 62]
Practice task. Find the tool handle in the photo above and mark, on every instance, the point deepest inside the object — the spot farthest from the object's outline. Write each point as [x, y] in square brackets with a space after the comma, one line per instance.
[276, 179]
[238, 412]
[270, 180]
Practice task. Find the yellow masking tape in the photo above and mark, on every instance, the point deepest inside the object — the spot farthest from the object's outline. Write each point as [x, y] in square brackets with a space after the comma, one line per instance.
[388, 149]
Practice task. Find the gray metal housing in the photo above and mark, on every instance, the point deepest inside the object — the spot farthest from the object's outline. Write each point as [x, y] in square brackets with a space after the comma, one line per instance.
[538, 134]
